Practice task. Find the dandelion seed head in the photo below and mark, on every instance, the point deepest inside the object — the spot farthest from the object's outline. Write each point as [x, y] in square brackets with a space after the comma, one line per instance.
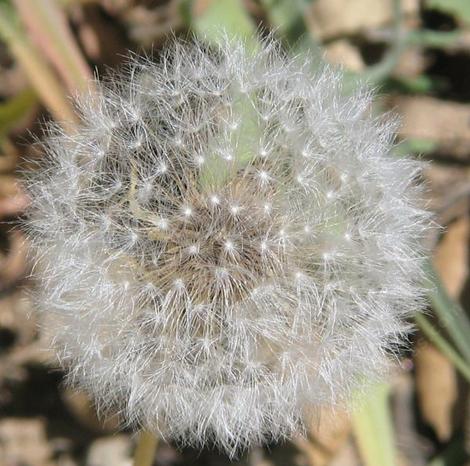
[230, 246]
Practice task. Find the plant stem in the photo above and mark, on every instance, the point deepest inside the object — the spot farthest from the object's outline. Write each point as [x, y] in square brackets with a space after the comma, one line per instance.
[382, 70]
[443, 346]
[373, 430]
[146, 447]
[449, 312]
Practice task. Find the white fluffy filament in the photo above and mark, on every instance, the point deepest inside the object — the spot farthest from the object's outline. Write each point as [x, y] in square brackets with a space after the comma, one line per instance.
[226, 244]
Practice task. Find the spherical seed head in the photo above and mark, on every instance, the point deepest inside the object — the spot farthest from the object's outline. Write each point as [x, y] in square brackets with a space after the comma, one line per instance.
[226, 243]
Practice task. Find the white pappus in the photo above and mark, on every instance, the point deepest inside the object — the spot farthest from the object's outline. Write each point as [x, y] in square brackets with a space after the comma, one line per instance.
[226, 243]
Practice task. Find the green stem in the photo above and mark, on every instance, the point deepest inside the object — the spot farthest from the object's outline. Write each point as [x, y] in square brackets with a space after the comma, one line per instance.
[382, 70]
[373, 430]
[450, 313]
[445, 348]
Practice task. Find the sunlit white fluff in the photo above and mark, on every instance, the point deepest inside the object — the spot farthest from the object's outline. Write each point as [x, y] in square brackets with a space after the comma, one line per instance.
[225, 244]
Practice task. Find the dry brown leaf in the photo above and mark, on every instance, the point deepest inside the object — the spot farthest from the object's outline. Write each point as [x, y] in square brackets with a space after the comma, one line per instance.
[82, 408]
[412, 63]
[448, 193]
[7, 159]
[347, 456]
[445, 123]
[450, 258]
[336, 18]
[326, 438]
[13, 200]
[8, 185]
[24, 442]
[341, 52]
[148, 26]
[114, 450]
[436, 394]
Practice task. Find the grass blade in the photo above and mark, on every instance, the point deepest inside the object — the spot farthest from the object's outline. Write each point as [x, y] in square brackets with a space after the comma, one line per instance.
[445, 348]
[49, 27]
[46, 84]
[449, 313]
[372, 426]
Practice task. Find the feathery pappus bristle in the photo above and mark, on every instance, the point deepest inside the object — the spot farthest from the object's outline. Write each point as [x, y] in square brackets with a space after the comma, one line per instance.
[226, 243]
